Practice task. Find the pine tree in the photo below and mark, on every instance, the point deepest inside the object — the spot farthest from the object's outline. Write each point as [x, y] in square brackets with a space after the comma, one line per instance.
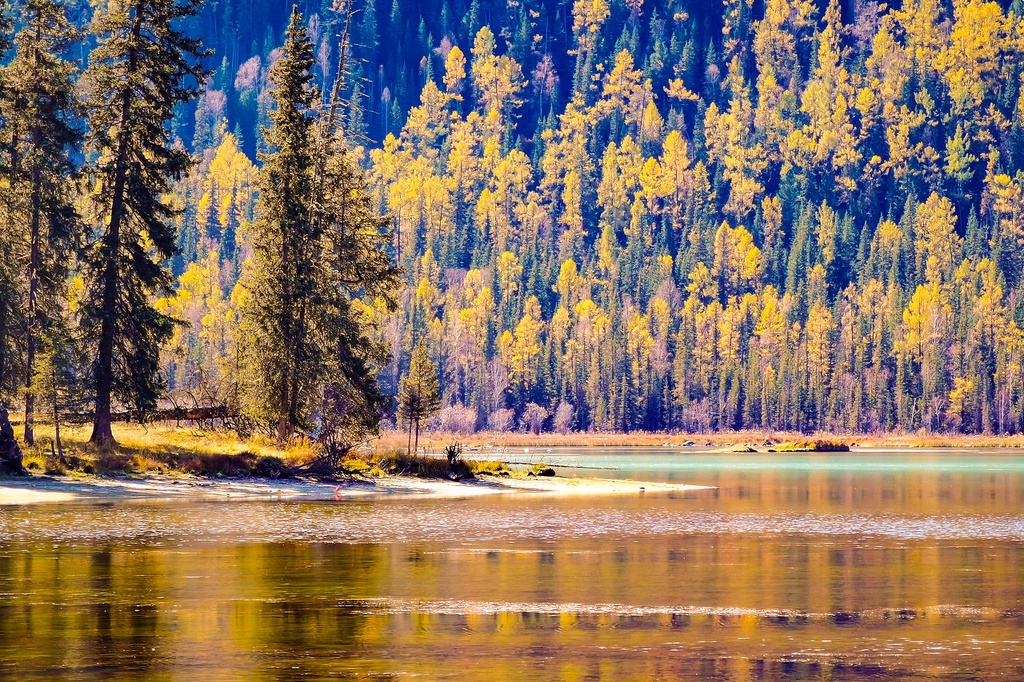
[142, 68]
[9, 308]
[318, 246]
[45, 135]
[280, 353]
[419, 395]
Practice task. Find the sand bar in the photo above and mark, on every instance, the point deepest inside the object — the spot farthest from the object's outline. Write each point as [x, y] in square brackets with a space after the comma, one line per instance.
[41, 489]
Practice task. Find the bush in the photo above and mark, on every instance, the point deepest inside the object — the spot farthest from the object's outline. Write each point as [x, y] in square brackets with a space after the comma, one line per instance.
[501, 420]
[813, 446]
[491, 468]
[565, 414]
[269, 467]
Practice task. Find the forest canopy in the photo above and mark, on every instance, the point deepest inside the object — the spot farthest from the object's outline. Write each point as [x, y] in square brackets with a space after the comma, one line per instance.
[633, 214]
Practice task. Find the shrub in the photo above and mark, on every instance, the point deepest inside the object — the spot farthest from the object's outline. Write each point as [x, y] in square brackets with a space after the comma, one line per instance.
[565, 415]
[490, 467]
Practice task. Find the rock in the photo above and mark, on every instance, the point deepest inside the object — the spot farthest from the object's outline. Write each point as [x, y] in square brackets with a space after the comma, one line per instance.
[689, 444]
[541, 470]
[10, 453]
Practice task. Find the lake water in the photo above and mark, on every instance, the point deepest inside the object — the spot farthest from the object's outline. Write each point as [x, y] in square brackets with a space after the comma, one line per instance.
[854, 566]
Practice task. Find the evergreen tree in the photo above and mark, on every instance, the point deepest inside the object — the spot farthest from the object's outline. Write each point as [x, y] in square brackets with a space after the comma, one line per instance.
[282, 356]
[317, 245]
[9, 303]
[420, 393]
[45, 135]
[142, 68]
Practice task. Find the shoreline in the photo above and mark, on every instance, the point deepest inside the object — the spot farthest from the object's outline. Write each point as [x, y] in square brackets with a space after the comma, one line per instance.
[35, 489]
[480, 442]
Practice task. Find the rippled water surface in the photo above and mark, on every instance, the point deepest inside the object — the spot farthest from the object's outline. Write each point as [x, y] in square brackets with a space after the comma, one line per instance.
[859, 566]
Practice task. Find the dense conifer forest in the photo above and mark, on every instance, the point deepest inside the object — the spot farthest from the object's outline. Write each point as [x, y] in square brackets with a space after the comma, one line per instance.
[590, 215]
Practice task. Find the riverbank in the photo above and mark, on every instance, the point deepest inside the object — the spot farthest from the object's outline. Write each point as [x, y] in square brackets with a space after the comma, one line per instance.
[758, 440]
[41, 489]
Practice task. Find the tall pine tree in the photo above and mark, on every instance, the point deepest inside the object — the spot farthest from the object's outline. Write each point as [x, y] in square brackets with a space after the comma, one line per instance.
[142, 68]
[282, 355]
[9, 303]
[317, 245]
[45, 135]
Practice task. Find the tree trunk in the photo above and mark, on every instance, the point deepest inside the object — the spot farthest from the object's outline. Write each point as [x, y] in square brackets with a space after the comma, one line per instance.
[56, 420]
[33, 293]
[408, 443]
[417, 437]
[10, 453]
[101, 432]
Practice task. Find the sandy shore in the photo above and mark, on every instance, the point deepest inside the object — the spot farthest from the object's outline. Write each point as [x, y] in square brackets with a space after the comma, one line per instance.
[35, 489]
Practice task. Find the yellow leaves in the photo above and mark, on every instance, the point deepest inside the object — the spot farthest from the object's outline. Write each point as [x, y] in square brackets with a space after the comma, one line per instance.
[820, 325]
[661, 316]
[639, 343]
[771, 324]
[570, 285]
[454, 71]
[737, 261]
[973, 52]
[497, 80]
[937, 243]
[427, 295]
[676, 90]
[510, 271]
[988, 307]
[827, 231]
[1007, 195]
[925, 321]
[962, 395]
[589, 15]
[702, 286]
[522, 349]
[560, 325]
[727, 137]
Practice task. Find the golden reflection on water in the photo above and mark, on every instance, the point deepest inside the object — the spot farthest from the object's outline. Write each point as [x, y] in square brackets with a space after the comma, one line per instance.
[898, 586]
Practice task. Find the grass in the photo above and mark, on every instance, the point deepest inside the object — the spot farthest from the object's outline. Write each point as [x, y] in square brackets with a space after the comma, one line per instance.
[171, 449]
[395, 461]
[162, 449]
[817, 445]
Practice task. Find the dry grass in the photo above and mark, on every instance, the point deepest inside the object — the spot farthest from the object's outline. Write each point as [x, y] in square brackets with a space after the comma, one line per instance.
[816, 445]
[168, 448]
[396, 461]
[149, 449]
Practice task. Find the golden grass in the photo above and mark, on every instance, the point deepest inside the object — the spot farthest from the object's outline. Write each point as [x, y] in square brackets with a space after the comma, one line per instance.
[815, 445]
[149, 448]
[168, 448]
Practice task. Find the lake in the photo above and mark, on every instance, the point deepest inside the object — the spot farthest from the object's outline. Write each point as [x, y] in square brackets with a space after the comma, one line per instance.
[846, 566]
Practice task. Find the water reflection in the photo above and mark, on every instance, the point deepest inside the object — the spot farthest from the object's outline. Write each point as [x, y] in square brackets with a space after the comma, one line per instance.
[780, 574]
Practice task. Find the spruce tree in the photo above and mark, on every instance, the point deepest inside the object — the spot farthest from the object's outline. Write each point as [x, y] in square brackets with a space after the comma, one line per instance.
[142, 68]
[45, 134]
[317, 246]
[9, 299]
[281, 354]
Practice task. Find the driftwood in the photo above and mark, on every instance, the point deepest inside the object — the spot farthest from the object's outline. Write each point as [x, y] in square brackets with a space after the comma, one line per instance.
[10, 453]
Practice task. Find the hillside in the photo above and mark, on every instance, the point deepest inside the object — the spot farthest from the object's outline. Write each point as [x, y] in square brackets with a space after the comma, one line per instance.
[626, 214]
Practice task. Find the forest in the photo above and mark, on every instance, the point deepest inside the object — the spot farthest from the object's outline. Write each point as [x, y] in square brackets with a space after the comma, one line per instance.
[600, 215]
